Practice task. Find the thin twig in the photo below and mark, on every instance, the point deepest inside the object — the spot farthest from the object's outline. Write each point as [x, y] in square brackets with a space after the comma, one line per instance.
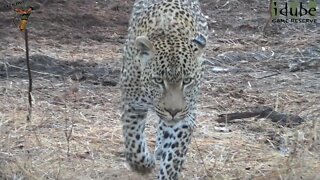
[201, 157]
[68, 128]
[7, 78]
[33, 71]
[29, 76]
[269, 19]
[270, 75]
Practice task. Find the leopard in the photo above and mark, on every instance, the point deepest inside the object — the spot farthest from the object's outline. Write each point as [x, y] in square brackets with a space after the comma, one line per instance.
[162, 71]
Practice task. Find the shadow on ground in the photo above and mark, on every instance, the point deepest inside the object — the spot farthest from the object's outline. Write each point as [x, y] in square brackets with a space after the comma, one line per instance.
[51, 68]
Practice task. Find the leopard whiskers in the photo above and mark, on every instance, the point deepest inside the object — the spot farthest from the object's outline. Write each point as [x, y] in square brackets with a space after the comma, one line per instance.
[191, 118]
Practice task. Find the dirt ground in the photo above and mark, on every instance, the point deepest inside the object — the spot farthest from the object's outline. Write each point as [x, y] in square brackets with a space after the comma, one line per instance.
[75, 132]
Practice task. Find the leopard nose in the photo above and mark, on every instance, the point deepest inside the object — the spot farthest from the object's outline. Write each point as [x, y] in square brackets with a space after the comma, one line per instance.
[173, 112]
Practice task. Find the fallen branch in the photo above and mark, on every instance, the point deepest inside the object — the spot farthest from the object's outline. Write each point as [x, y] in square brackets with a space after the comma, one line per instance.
[263, 112]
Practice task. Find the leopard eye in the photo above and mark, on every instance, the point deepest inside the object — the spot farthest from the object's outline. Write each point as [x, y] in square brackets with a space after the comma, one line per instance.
[187, 81]
[158, 80]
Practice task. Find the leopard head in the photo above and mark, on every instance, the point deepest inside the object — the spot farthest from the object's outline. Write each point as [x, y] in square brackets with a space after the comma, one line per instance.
[171, 73]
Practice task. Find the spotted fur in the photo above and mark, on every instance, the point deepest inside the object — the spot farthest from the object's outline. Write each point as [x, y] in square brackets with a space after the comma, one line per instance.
[162, 72]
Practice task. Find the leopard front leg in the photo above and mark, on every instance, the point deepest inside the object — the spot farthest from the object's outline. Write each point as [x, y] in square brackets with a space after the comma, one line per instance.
[159, 138]
[175, 142]
[136, 149]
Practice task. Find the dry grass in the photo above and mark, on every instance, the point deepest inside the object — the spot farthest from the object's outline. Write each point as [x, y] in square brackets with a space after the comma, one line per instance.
[254, 149]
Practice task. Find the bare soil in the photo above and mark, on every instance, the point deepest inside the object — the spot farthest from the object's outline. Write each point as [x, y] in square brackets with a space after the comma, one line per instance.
[75, 132]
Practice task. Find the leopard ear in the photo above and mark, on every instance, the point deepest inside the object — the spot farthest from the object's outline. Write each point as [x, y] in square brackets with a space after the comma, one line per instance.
[145, 49]
[201, 43]
[144, 45]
